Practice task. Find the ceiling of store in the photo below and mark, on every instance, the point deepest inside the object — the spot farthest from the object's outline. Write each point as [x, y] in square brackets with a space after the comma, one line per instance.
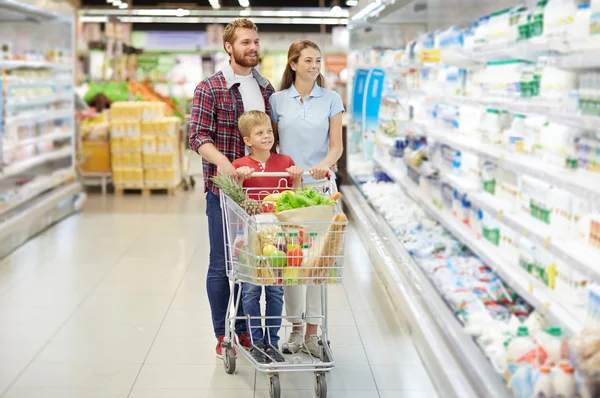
[224, 3]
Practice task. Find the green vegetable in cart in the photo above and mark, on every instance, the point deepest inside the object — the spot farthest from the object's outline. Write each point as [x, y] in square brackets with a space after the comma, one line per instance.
[306, 197]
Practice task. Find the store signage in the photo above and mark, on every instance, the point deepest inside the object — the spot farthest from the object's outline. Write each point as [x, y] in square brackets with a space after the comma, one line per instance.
[335, 63]
[356, 121]
[372, 103]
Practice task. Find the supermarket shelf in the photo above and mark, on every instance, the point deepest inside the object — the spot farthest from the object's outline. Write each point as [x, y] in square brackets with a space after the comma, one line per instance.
[34, 65]
[581, 182]
[61, 135]
[524, 284]
[553, 112]
[20, 8]
[49, 100]
[40, 117]
[18, 168]
[576, 254]
[38, 83]
[26, 199]
[455, 363]
[42, 213]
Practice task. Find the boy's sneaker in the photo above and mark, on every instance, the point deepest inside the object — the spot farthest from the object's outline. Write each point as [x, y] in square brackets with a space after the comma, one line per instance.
[294, 344]
[312, 343]
[273, 352]
[257, 354]
[244, 340]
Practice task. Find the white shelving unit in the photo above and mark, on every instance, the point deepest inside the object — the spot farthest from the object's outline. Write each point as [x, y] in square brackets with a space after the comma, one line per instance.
[524, 284]
[455, 364]
[50, 190]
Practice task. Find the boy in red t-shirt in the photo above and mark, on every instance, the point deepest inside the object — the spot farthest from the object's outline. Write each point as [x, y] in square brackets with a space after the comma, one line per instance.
[257, 131]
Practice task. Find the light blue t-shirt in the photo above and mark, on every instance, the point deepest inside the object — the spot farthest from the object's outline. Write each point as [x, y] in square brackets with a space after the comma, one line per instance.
[304, 127]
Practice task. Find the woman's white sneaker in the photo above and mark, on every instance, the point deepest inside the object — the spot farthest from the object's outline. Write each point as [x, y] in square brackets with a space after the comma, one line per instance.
[294, 344]
[313, 346]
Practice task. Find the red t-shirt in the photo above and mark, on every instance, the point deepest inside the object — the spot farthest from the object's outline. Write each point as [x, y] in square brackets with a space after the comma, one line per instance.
[276, 163]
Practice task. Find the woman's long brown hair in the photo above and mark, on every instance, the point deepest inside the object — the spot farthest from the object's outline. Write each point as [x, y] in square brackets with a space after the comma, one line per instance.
[289, 76]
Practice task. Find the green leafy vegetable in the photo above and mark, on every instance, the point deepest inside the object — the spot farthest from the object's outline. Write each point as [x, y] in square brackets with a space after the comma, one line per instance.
[303, 198]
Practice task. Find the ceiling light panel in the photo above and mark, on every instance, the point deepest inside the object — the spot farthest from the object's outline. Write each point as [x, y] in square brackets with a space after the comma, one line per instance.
[223, 20]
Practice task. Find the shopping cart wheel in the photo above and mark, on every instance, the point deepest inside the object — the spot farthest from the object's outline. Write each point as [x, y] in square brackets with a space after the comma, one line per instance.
[229, 360]
[321, 387]
[274, 387]
[324, 353]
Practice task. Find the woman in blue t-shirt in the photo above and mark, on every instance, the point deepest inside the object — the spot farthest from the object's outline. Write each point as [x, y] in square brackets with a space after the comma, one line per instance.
[308, 121]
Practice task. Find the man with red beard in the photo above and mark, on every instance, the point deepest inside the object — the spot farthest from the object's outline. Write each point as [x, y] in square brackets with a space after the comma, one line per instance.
[218, 103]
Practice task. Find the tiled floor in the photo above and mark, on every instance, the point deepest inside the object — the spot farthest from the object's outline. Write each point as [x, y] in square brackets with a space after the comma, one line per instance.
[111, 303]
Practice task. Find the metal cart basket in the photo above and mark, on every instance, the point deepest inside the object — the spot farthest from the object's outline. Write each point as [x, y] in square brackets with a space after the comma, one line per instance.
[263, 250]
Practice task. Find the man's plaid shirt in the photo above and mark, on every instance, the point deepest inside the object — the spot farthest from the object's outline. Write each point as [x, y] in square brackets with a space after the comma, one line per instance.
[215, 111]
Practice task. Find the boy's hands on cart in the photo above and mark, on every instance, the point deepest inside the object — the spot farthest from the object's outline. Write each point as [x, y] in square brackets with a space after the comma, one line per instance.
[244, 173]
[296, 174]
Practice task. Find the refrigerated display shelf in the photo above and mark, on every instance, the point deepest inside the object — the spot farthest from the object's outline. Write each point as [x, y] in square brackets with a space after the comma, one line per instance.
[533, 291]
[581, 182]
[553, 112]
[35, 65]
[13, 206]
[60, 135]
[24, 165]
[34, 101]
[37, 83]
[455, 363]
[576, 254]
[43, 212]
[39, 117]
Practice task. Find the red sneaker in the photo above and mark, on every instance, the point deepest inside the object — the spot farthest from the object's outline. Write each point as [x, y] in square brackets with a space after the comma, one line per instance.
[245, 341]
[219, 349]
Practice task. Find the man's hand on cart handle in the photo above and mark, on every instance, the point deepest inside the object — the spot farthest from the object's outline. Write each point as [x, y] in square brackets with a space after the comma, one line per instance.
[227, 169]
[244, 173]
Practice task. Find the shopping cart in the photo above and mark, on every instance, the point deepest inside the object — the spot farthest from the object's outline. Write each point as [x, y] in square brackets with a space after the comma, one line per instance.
[308, 253]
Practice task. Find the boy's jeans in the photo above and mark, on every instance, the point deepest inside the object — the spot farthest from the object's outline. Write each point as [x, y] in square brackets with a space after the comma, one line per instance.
[217, 283]
[274, 298]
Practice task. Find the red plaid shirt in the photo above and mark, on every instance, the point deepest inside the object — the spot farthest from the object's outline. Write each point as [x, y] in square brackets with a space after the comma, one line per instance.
[215, 111]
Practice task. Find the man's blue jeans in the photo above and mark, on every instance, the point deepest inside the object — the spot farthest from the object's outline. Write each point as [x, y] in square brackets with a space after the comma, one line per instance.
[274, 298]
[217, 283]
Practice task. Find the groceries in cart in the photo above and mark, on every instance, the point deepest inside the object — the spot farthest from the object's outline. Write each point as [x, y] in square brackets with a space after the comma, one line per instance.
[290, 237]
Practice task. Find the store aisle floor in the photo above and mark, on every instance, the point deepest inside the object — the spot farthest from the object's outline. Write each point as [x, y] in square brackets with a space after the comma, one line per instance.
[111, 303]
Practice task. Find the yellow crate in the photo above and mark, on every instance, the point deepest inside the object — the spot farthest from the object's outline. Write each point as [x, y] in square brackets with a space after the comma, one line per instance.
[116, 160]
[117, 175]
[149, 143]
[136, 160]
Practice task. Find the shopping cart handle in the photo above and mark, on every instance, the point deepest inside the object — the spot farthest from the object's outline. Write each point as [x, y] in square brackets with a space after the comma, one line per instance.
[282, 174]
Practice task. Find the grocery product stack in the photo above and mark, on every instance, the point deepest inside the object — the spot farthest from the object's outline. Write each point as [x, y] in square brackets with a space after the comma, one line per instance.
[145, 147]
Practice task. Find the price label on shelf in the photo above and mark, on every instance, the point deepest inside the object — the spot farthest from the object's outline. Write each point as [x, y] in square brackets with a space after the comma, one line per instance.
[547, 242]
[429, 56]
[500, 214]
